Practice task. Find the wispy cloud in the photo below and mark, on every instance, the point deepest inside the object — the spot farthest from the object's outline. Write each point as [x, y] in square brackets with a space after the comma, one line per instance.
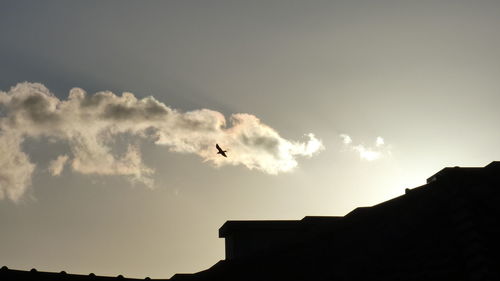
[56, 166]
[90, 123]
[370, 153]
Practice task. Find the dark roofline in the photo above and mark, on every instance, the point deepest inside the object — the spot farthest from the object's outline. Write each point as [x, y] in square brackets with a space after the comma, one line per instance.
[232, 227]
[33, 274]
[450, 171]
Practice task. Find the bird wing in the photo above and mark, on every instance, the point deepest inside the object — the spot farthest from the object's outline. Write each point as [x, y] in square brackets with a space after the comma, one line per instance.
[221, 152]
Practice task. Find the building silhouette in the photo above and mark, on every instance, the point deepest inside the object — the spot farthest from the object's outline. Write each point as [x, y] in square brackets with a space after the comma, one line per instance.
[447, 229]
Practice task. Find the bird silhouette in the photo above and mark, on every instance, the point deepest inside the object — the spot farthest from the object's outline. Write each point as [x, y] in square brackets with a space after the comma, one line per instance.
[221, 152]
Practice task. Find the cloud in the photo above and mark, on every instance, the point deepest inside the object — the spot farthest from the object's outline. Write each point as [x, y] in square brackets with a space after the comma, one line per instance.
[368, 153]
[56, 166]
[15, 167]
[345, 139]
[90, 125]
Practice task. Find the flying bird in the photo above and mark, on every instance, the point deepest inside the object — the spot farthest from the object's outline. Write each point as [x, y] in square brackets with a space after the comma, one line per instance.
[221, 152]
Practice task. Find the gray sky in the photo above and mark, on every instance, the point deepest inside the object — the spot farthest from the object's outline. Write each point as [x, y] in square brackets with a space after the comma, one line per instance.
[421, 75]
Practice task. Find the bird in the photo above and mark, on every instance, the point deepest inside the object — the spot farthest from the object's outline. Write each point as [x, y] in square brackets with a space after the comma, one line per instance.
[221, 152]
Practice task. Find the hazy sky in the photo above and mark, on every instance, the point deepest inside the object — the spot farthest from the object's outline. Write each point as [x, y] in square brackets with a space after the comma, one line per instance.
[357, 100]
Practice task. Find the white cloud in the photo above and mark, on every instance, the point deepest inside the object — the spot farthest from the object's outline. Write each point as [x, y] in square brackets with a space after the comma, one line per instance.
[57, 165]
[346, 139]
[366, 152]
[379, 142]
[88, 124]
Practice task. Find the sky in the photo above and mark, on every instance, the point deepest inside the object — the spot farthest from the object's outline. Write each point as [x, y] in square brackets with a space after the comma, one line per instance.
[110, 111]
